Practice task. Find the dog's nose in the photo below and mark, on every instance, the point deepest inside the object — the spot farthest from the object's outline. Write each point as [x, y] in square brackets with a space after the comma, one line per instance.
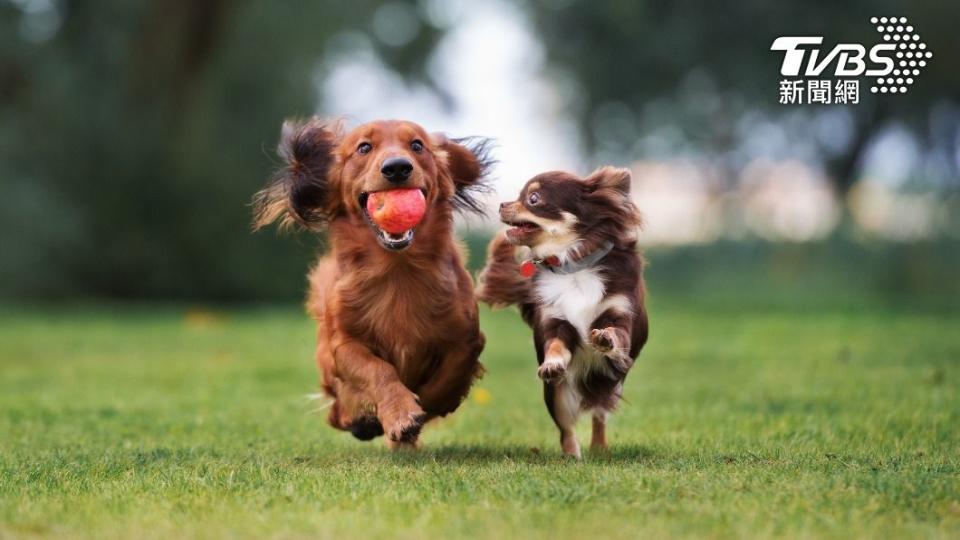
[503, 204]
[396, 169]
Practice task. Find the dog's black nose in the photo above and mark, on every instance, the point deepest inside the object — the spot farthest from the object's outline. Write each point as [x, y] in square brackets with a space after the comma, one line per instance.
[502, 205]
[396, 169]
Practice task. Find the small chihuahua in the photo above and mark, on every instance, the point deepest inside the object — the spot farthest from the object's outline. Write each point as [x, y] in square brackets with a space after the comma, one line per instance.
[580, 288]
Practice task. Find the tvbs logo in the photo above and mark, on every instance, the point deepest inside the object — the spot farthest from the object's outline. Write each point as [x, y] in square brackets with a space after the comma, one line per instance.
[833, 76]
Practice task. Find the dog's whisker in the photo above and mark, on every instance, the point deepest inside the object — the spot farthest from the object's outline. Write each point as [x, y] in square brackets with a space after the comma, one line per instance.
[320, 409]
[318, 396]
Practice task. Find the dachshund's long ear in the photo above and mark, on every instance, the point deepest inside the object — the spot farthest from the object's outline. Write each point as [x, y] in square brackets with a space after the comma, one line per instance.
[469, 162]
[298, 193]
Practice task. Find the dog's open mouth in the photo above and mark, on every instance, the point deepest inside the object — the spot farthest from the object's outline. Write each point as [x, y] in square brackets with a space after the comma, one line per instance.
[389, 240]
[521, 229]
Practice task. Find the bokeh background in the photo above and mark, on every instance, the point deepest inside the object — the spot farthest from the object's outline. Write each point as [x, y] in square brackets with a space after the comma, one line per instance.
[134, 132]
[800, 380]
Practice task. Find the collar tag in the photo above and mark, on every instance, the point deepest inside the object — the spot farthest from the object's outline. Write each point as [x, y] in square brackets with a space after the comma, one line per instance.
[528, 268]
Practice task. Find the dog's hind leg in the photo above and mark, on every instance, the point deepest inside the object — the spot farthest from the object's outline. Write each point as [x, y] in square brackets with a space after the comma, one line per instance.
[459, 366]
[559, 339]
[598, 437]
[564, 406]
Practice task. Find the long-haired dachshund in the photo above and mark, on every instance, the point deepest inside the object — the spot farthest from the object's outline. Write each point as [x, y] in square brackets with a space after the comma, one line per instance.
[581, 289]
[398, 339]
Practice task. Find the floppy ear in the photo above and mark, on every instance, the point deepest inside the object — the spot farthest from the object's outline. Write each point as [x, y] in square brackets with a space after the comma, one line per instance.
[615, 180]
[298, 193]
[469, 162]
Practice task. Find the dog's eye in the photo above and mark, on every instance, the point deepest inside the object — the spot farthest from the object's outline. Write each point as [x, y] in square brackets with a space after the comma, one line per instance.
[364, 148]
[533, 198]
[416, 146]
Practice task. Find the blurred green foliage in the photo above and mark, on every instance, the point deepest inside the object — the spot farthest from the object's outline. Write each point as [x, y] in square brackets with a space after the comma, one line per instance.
[839, 272]
[695, 70]
[132, 141]
[133, 135]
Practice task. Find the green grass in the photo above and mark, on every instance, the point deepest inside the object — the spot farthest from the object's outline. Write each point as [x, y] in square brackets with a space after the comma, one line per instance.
[140, 423]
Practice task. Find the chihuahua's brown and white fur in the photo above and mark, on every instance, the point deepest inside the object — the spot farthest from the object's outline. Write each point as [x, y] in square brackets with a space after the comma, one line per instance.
[581, 290]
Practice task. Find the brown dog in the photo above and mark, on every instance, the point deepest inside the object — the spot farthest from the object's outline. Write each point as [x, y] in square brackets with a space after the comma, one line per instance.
[398, 339]
[581, 290]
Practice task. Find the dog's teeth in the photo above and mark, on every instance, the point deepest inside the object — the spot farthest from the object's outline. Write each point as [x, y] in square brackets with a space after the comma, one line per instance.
[398, 237]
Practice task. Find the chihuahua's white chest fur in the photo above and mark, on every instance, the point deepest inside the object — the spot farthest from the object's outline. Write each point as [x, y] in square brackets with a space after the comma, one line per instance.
[577, 298]
[573, 297]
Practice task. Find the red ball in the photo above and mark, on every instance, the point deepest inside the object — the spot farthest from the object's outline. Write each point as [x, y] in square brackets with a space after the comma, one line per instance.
[396, 210]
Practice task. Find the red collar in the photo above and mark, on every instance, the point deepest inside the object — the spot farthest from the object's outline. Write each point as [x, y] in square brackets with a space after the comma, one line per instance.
[552, 263]
[529, 267]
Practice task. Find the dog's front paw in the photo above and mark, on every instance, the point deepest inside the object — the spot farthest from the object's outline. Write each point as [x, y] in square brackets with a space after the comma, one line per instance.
[401, 416]
[406, 431]
[603, 339]
[551, 371]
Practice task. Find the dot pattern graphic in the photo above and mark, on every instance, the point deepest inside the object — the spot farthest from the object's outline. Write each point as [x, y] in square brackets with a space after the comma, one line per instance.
[911, 55]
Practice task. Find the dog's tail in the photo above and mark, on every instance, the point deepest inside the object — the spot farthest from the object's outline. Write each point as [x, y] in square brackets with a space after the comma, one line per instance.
[500, 283]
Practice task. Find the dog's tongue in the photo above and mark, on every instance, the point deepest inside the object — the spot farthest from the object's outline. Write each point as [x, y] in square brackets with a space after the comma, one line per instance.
[396, 210]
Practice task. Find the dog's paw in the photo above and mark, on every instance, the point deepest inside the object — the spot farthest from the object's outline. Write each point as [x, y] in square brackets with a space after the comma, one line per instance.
[366, 428]
[400, 414]
[602, 339]
[570, 446]
[619, 363]
[551, 371]
[406, 430]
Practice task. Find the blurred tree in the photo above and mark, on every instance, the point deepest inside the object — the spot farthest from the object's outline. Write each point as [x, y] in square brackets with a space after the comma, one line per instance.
[693, 70]
[134, 132]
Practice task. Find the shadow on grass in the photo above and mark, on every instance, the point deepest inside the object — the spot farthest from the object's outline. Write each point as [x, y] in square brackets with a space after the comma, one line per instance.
[462, 454]
[120, 461]
[617, 455]
[492, 454]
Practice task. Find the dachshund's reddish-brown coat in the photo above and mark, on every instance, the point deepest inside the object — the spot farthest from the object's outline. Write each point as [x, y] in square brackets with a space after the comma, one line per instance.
[398, 339]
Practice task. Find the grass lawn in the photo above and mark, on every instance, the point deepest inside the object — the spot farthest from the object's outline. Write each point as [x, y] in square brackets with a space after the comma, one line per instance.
[140, 423]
